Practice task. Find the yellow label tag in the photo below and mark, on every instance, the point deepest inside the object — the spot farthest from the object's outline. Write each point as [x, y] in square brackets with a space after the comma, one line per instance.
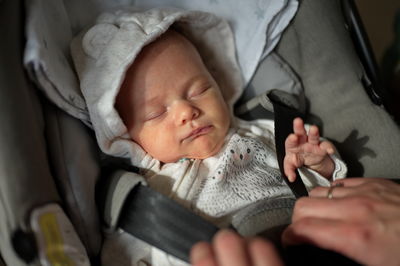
[54, 244]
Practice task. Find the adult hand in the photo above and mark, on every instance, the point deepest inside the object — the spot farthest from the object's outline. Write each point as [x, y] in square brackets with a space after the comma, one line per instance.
[361, 220]
[230, 249]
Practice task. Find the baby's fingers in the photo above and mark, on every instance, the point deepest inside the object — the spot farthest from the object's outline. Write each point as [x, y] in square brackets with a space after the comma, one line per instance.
[328, 147]
[298, 127]
[292, 142]
[290, 166]
[313, 135]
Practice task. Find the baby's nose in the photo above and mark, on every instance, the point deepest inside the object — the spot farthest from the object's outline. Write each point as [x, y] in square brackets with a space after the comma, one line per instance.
[185, 112]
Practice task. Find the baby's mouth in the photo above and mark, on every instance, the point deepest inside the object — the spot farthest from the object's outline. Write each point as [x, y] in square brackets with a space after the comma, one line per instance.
[198, 132]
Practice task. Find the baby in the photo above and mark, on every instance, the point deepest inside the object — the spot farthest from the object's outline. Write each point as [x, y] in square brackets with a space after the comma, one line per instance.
[155, 98]
[173, 109]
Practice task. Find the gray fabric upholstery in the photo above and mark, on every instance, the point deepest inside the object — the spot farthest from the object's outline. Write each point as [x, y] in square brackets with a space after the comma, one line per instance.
[25, 179]
[75, 166]
[319, 49]
[34, 149]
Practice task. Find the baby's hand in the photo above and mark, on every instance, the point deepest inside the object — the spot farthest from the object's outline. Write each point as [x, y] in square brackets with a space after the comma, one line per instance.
[302, 149]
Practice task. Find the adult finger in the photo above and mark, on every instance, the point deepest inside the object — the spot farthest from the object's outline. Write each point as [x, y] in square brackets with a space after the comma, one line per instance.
[356, 208]
[263, 253]
[339, 236]
[370, 242]
[320, 208]
[378, 189]
[335, 191]
[356, 181]
[230, 249]
[202, 254]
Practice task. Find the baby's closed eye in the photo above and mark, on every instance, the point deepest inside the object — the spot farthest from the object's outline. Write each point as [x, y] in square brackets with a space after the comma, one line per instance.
[198, 91]
[154, 114]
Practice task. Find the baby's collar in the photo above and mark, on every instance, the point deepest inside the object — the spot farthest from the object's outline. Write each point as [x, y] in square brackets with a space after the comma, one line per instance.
[184, 160]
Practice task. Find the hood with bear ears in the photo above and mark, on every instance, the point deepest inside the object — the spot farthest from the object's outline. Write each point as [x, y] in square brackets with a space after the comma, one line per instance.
[103, 53]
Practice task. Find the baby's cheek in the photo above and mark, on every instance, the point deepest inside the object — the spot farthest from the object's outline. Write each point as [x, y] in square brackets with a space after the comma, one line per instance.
[148, 138]
[165, 142]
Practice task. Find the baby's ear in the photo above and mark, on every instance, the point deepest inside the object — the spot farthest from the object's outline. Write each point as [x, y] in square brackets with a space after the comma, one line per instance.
[97, 39]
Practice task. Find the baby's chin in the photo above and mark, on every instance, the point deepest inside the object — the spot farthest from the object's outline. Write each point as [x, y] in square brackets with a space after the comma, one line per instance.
[199, 154]
[206, 152]
[202, 148]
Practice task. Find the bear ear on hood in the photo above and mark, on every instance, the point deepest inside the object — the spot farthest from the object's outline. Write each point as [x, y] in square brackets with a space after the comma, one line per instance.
[97, 39]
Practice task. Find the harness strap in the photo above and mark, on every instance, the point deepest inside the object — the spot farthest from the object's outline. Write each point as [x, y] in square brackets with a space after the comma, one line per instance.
[283, 118]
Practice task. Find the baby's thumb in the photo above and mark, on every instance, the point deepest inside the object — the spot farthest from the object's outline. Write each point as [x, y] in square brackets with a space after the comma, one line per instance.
[289, 168]
[328, 147]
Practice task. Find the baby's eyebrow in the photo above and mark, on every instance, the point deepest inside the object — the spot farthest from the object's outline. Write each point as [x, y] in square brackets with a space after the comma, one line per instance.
[196, 79]
[151, 100]
[146, 98]
[141, 107]
[155, 100]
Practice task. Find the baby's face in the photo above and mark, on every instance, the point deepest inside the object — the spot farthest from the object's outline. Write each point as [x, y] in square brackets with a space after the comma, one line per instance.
[171, 104]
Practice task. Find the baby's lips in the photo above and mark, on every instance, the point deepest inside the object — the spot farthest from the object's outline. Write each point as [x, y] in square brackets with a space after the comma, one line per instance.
[198, 132]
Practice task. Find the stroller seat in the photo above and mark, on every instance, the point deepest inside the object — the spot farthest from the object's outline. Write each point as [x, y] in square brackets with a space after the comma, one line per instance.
[49, 157]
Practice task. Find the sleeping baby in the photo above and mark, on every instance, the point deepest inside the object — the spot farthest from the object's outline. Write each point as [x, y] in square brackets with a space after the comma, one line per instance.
[160, 91]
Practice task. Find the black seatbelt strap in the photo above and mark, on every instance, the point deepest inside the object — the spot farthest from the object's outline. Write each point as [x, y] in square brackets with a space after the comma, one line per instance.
[283, 118]
[163, 223]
